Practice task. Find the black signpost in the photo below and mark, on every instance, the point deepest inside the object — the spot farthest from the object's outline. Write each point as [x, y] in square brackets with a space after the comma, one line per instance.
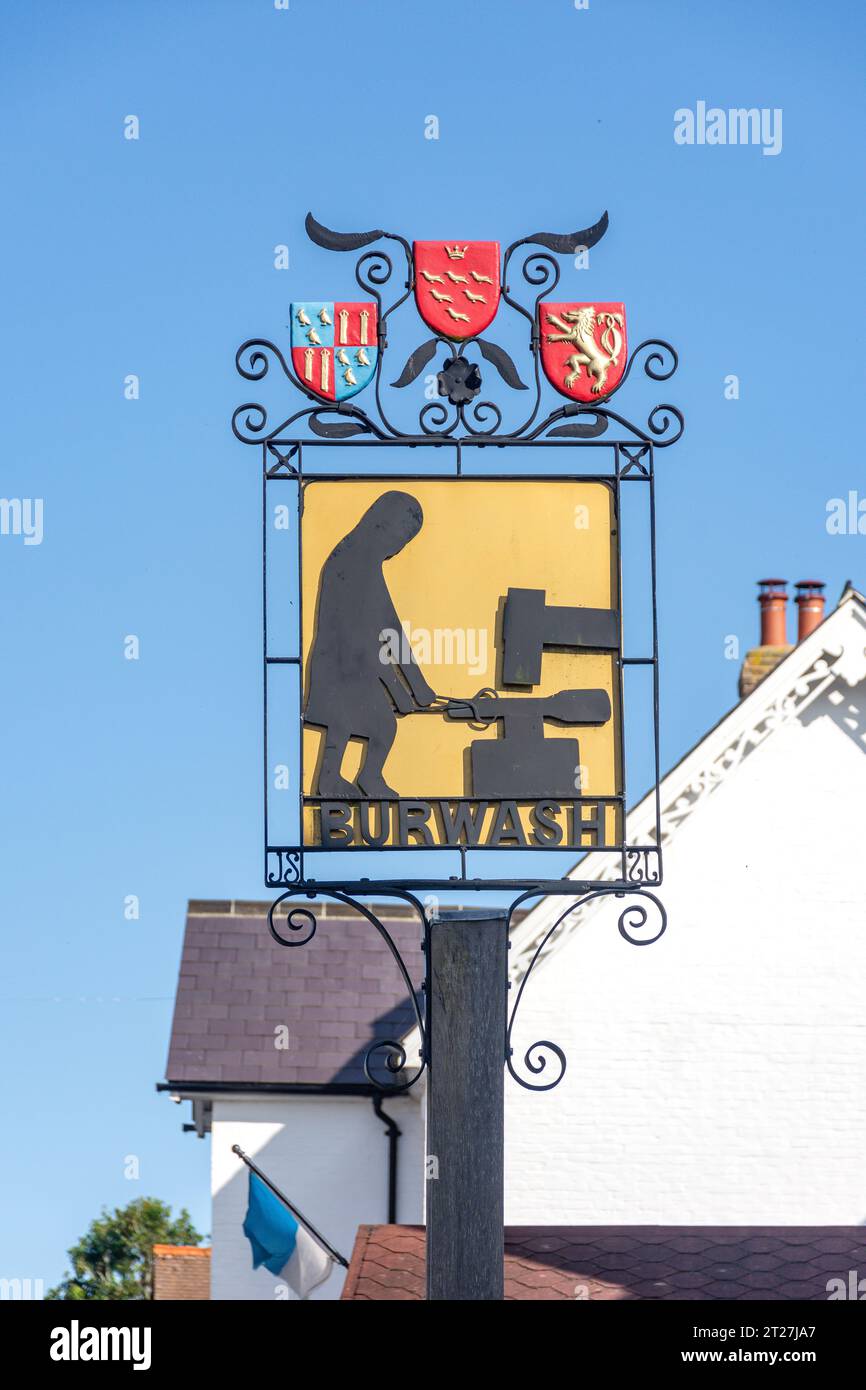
[511, 756]
[466, 1105]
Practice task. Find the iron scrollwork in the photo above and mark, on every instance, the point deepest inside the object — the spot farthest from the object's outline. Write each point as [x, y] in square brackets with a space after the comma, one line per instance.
[459, 376]
[300, 924]
[250, 420]
[632, 919]
[642, 866]
[283, 868]
[298, 928]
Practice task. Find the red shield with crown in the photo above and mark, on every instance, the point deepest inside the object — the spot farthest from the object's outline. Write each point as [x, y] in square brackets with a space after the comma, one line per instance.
[583, 348]
[457, 286]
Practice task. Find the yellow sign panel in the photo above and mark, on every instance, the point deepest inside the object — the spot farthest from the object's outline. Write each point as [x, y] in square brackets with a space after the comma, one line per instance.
[460, 644]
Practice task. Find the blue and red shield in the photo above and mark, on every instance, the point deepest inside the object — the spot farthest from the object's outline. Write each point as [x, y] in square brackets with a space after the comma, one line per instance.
[334, 346]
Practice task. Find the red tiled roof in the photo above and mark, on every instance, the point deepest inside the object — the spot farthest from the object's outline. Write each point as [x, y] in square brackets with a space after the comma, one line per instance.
[202, 1250]
[181, 1273]
[628, 1262]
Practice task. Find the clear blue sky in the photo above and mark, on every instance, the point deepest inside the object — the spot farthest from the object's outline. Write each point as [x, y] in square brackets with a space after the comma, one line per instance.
[155, 257]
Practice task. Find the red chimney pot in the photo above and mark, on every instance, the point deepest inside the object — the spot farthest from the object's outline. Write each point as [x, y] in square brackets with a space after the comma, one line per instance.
[810, 606]
[773, 598]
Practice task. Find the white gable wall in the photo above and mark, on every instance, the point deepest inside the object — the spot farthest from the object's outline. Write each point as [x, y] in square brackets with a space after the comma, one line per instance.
[717, 1076]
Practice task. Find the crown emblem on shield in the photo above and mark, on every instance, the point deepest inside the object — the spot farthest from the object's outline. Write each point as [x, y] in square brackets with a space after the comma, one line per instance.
[583, 348]
[457, 304]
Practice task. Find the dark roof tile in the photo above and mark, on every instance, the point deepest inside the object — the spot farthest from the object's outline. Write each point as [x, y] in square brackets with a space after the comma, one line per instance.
[625, 1262]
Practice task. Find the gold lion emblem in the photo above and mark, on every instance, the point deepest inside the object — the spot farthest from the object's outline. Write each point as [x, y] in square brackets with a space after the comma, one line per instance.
[578, 326]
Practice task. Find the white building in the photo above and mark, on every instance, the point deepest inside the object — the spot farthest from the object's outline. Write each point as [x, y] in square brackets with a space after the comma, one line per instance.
[715, 1078]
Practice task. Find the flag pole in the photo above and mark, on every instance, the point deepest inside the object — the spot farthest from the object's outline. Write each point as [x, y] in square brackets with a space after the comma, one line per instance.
[308, 1225]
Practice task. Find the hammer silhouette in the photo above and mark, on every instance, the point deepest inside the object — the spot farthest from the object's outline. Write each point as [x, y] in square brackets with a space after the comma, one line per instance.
[530, 624]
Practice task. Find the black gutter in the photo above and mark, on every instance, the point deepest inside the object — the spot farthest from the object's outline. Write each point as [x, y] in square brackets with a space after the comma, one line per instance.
[393, 1133]
[286, 1088]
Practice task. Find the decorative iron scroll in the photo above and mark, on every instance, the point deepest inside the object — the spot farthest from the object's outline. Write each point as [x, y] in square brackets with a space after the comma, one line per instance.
[300, 926]
[459, 361]
[293, 923]
[632, 920]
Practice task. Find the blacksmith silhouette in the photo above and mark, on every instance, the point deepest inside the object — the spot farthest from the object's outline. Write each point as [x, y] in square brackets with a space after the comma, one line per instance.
[362, 673]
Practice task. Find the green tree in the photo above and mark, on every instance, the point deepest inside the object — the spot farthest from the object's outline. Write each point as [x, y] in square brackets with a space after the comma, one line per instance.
[114, 1259]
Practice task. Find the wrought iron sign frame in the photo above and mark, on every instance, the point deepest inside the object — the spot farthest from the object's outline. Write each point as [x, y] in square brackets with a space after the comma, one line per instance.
[459, 428]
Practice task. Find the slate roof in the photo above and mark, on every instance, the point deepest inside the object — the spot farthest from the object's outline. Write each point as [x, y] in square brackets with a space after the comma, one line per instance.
[336, 995]
[628, 1262]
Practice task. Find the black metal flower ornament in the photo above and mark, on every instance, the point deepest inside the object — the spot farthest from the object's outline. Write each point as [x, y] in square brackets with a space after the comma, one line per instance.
[459, 380]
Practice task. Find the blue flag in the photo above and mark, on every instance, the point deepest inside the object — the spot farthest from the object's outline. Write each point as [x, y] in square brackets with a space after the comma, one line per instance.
[280, 1243]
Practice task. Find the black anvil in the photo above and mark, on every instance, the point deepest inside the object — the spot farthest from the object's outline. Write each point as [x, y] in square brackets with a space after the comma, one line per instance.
[523, 763]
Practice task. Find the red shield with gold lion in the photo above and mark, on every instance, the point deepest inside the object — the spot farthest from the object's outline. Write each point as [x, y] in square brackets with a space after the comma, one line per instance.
[457, 286]
[583, 348]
